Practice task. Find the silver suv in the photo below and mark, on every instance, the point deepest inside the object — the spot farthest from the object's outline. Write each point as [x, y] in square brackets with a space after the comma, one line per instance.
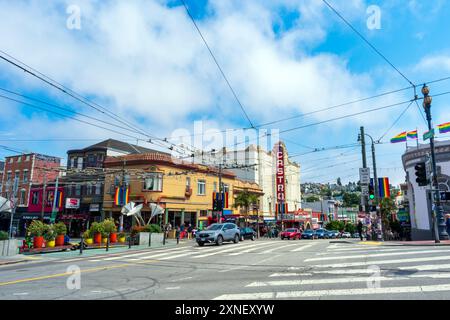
[218, 233]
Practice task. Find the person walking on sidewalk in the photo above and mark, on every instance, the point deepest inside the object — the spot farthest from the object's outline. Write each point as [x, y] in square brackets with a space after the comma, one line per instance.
[177, 234]
[360, 230]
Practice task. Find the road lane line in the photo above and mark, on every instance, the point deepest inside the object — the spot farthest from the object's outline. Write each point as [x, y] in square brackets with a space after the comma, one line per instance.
[372, 255]
[291, 274]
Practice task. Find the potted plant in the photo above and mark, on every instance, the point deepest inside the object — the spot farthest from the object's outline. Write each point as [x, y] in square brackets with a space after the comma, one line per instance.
[60, 231]
[36, 230]
[122, 237]
[97, 230]
[88, 237]
[49, 236]
[110, 229]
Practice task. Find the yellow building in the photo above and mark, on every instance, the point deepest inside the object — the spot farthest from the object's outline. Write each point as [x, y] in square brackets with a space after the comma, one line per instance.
[184, 190]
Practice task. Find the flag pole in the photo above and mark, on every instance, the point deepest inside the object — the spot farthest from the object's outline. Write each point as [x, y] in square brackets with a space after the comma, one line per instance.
[417, 139]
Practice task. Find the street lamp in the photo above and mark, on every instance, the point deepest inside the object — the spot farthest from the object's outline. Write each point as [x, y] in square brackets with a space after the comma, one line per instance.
[439, 223]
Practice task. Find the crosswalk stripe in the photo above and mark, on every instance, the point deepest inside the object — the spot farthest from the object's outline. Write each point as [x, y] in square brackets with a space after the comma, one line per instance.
[371, 255]
[377, 262]
[323, 281]
[252, 249]
[336, 292]
[427, 267]
[292, 274]
[302, 248]
[228, 250]
[276, 248]
[177, 256]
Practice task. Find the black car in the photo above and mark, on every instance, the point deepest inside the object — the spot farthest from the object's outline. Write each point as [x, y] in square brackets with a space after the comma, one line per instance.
[248, 233]
[309, 234]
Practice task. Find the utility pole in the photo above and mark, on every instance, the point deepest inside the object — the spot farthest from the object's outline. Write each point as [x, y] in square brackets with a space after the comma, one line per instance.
[364, 160]
[55, 197]
[43, 197]
[375, 182]
[220, 213]
[13, 209]
[438, 210]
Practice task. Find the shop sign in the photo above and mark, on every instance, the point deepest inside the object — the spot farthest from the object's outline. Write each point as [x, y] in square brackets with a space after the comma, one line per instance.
[280, 183]
[72, 203]
[288, 216]
[94, 207]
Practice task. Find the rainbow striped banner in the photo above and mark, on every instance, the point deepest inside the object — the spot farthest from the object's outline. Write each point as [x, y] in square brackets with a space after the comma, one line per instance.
[59, 199]
[413, 134]
[399, 138]
[444, 128]
[383, 188]
[217, 196]
[121, 197]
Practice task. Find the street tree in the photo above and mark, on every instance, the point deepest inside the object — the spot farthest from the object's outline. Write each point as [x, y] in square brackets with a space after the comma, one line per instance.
[245, 200]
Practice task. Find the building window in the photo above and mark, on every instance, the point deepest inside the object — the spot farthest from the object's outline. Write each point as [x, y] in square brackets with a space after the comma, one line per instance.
[19, 159]
[22, 197]
[215, 186]
[11, 160]
[35, 198]
[17, 175]
[8, 176]
[25, 176]
[226, 187]
[27, 158]
[78, 190]
[80, 163]
[203, 213]
[153, 182]
[98, 188]
[88, 189]
[201, 187]
[72, 162]
[188, 182]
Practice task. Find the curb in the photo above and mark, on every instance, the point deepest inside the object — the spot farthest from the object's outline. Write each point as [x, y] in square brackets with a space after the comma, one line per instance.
[385, 244]
[13, 262]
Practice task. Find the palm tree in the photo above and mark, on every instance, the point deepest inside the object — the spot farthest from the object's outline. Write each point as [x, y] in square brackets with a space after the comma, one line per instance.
[245, 200]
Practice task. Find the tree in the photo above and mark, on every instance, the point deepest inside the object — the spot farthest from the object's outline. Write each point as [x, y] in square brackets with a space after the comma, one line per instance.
[245, 200]
[312, 199]
[350, 199]
[350, 227]
[387, 208]
[335, 225]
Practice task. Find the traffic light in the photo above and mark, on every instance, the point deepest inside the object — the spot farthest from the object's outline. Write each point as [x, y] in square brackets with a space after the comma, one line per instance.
[217, 205]
[421, 174]
[371, 190]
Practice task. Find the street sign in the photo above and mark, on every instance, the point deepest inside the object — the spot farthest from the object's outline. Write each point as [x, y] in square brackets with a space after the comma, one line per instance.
[429, 134]
[364, 175]
[365, 190]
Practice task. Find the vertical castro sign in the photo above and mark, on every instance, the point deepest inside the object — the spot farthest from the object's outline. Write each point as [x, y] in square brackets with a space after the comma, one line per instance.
[280, 180]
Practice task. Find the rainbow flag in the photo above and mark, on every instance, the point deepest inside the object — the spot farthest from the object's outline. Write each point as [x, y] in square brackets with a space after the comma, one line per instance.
[59, 199]
[413, 134]
[383, 188]
[444, 128]
[224, 197]
[121, 197]
[399, 138]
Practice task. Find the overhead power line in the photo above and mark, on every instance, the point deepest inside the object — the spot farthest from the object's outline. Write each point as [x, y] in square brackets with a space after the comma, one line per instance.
[217, 64]
[396, 120]
[367, 41]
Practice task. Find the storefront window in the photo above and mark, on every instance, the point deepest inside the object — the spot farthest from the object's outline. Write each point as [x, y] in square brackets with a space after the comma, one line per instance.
[153, 182]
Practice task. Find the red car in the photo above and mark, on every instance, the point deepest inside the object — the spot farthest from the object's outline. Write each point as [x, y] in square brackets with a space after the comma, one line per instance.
[291, 233]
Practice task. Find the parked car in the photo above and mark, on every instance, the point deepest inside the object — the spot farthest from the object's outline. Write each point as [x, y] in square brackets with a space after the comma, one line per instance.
[248, 233]
[218, 233]
[322, 234]
[291, 233]
[346, 235]
[333, 234]
[309, 234]
[355, 235]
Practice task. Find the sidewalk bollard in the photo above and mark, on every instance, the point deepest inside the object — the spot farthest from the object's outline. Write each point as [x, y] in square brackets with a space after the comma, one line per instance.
[107, 244]
[81, 245]
[164, 239]
[129, 242]
[150, 240]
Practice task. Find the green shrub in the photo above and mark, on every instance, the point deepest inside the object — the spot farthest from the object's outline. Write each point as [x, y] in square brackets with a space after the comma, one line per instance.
[109, 226]
[96, 227]
[87, 234]
[154, 228]
[60, 228]
[4, 235]
[36, 228]
[49, 232]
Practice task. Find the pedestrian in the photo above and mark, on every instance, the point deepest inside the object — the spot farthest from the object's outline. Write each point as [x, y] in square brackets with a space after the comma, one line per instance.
[360, 230]
[177, 235]
[189, 230]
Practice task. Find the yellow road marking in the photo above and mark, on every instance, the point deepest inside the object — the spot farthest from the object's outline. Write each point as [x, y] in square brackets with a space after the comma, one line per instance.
[373, 243]
[57, 275]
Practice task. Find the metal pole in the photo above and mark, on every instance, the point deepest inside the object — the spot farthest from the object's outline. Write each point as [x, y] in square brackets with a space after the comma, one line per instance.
[13, 210]
[364, 160]
[55, 195]
[81, 244]
[438, 210]
[375, 182]
[220, 213]
[107, 242]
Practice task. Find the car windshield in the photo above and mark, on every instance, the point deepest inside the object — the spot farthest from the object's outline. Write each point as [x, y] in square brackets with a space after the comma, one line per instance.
[214, 227]
[290, 230]
[308, 231]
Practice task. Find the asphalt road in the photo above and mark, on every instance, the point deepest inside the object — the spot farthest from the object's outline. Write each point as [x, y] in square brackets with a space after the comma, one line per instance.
[262, 269]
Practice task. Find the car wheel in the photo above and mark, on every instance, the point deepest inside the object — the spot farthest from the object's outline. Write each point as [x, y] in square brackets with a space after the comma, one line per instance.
[219, 241]
[236, 238]
[201, 244]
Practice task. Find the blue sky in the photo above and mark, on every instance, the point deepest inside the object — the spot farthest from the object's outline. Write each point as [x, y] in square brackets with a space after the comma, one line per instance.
[144, 61]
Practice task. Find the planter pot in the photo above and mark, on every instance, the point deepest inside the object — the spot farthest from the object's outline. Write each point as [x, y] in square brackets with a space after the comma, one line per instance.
[59, 241]
[89, 241]
[113, 237]
[104, 240]
[50, 244]
[122, 240]
[38, 242]
[98, 238]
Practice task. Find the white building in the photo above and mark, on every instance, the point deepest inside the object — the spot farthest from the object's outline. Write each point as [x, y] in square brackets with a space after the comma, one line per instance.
[419, 198]
[260, 167]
